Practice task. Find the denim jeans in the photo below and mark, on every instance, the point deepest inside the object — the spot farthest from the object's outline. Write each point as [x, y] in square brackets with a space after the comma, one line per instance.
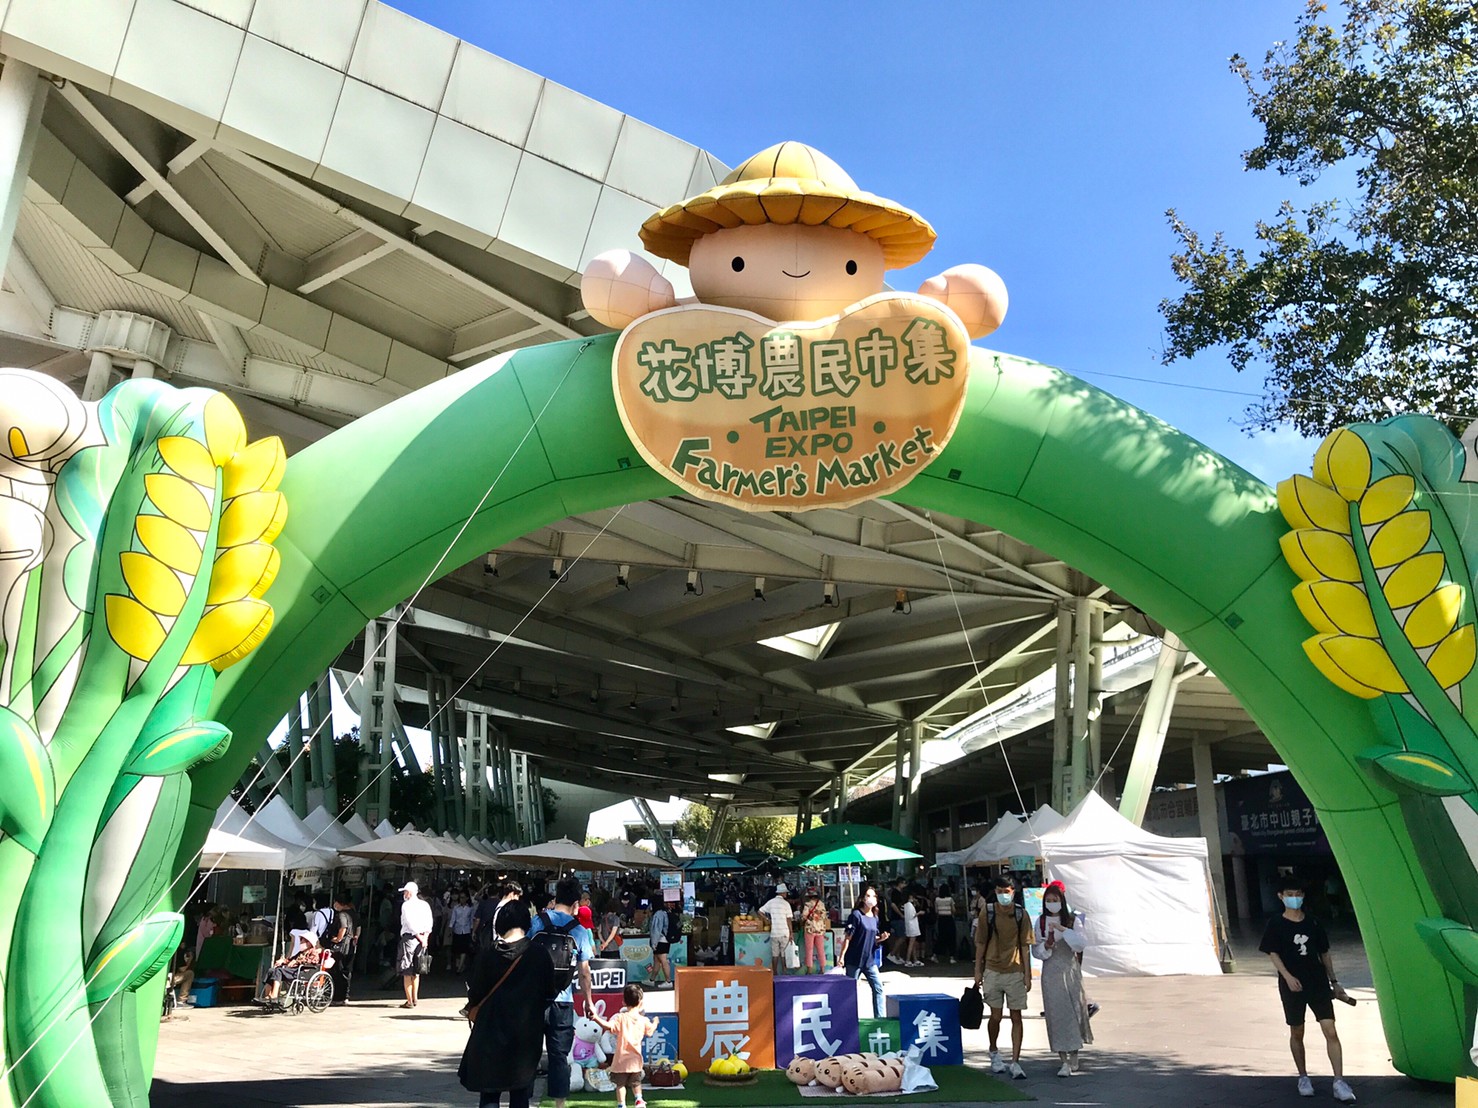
[559, 1040]
[875, 982]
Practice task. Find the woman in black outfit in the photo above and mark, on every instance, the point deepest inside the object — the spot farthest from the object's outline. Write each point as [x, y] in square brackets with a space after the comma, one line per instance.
[512, 982]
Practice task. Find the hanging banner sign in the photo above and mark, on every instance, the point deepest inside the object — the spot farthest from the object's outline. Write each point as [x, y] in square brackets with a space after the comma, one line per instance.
[672, 880]
[740, 410]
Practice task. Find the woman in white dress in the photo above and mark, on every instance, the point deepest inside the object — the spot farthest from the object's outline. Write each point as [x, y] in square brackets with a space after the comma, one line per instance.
[1060, 940]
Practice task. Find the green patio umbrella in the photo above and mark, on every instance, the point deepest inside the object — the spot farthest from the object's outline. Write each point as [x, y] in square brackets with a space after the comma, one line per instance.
[854, 853]
[838, 834]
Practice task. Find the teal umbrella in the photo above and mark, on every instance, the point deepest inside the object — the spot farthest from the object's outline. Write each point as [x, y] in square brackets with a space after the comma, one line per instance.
[705, 862]
[838, 834]
[846, 854]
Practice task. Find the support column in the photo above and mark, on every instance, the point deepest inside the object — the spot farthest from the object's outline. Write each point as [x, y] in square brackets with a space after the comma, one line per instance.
[1062, 707]
[538, 828]
[524, 801]
[474, 758]
[453, 751]
[841, 787]
[1201, 761]
[915, 732]
[1082, 664]
[321, 735]
[954, 827]
[655, 829]
[1153, 724]
[1239, 883]
[803, 816]
[713, 841]
[22, 96]
[1095, 699]
[900, 778]
[375, 737]
[438, 691]
[99, 376]
[297, 774]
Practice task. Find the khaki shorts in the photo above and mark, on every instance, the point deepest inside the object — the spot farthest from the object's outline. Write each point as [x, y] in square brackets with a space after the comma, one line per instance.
[1005, 990]
[778, 943]
[627, 1080]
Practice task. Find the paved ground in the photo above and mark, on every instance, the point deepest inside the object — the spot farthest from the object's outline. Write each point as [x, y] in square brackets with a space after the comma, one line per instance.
[1179, 1041]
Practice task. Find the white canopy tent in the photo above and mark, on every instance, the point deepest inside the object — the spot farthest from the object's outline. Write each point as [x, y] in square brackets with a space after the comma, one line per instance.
[232, 818]
[224, 850]
[1147, 898]
[356, 826]
[330, 832]
[1025, 840]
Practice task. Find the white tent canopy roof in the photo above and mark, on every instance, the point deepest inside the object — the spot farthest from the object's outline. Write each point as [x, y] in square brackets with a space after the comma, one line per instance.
[224, 850]
[361, 831]
[232, 818]
[330, 831]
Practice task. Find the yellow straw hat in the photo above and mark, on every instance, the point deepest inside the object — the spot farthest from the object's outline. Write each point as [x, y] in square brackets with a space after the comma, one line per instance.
[789, 183]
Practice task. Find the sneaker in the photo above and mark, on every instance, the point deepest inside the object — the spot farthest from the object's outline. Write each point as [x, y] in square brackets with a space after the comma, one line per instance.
[639, 1103]
[1066, 1070]
[997, 1063]
[1017, 1073]
[1343, 1093]
[1305, 1087]
[896, 961]
[1092, 1010]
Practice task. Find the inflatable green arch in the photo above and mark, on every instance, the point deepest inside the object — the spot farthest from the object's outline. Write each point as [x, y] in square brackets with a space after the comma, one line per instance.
[379, 507]
[1182, 532]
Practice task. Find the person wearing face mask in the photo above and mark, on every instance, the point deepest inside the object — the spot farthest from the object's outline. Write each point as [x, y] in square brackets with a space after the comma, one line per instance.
[1003, 968]
[1299, 950]
[861, 946]
[1059, 945]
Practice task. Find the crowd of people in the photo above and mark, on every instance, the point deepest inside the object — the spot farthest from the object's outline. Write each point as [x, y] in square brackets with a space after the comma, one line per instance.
[524, 955]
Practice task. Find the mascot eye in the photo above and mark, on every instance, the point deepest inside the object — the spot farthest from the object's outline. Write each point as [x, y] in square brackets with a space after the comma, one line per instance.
[851, 268]
[738, 264]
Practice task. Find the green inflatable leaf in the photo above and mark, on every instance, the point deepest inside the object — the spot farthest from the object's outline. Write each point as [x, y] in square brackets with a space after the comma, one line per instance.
[129, 961]
[1413, 771]
[27, 787]
[1453, 944]
[177, 751]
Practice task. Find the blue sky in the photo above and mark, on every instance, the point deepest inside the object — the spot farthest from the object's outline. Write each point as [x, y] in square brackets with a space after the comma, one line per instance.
[1042, 140]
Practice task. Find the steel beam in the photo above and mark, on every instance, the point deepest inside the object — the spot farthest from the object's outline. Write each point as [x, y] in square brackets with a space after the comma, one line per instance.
[1158, 704]
[22, 96]
[657, 831]
[376, 720]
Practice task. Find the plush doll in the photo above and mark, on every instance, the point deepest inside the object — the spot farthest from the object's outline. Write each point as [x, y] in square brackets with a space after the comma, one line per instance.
[829, 1070]
[801, 1071]
[874, 1075]
[588, 1056]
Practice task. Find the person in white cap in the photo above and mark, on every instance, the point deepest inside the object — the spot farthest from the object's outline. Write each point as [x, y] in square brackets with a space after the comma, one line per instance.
[415, 937]
[779, 910]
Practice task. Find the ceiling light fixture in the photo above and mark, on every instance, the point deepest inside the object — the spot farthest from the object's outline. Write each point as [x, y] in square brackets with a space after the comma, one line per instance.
[490, 567]
[556, 569]
[695, 583]
[829, 594]
[759, 588]
[623, 576]
[901, 604]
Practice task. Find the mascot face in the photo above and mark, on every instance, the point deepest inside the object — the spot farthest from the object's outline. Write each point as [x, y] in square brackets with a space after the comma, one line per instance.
[801, 1071]
[786, 272]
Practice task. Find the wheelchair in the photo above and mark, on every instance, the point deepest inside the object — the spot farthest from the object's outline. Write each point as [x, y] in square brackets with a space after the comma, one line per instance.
[312, 990]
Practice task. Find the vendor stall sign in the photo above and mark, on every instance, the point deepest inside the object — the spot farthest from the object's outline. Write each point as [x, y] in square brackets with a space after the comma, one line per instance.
[726, 1010]
[254, 894]
[672, 879]
[765, 416]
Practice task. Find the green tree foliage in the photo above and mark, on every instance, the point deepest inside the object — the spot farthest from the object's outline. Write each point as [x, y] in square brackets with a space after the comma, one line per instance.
[1356, 308]
[771, 834]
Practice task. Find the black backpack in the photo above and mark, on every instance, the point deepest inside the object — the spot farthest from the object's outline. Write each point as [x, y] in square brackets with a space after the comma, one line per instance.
[559, 940]
[674, 927]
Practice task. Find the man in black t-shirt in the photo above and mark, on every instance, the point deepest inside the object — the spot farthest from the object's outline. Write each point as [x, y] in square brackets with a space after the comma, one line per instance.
[1299, 950]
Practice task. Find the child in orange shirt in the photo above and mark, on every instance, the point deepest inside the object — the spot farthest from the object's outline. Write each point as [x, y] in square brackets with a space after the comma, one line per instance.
[630, 1026]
